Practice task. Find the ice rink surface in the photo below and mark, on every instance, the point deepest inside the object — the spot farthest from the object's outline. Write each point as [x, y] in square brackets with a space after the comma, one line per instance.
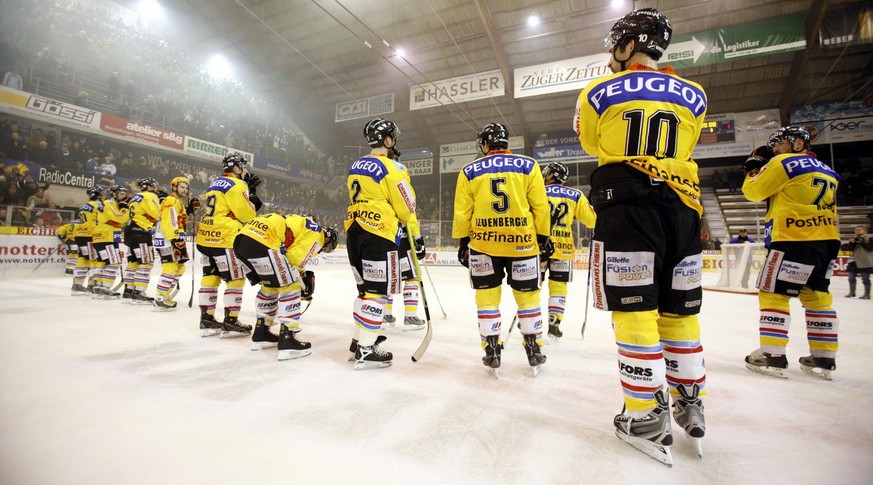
[97, 392]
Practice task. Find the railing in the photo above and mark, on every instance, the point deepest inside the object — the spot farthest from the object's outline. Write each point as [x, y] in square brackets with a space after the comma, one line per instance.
[39, 217]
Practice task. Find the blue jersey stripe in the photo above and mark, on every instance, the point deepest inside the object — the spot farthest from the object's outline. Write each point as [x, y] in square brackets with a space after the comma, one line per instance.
[221, 184]
[369, 167]
[647, 86]
[501, 163]
[803, 164]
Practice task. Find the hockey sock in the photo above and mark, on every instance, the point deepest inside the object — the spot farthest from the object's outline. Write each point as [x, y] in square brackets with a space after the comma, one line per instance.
[822, 324]
[683, 353]
[642, 370]
[233, 297]
[530, 317]
[80, 273]
[143, 274]
[289, 305]
[368, 313]
[774, 322]
[389, 304]
[557, 299]
[410, 298]
[488, 312]
[207, 296]
[266, 303]
[130, 274]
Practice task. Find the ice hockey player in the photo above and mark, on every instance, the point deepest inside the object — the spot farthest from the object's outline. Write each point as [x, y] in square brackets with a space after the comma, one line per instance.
[231, 201]
[802, 240]
[66, 233]
[646, 249]
[107, 238]
[276, 249]
[145, 207]
[565, 203]
[380, 199]
[411, 281]
[171, 242]
[84, 233]
[502, 219]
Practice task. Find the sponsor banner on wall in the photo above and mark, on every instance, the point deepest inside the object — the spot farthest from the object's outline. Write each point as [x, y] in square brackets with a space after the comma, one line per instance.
[560, 146]
[423, 166]
[453, 156]
[763, 38]
[457, 90]
[756, 126]
[831, 111]
[36, 107]
[845, 130]
[60, 176]
[721, 150]
[291, 170]
[141, 131]
[25, 252]
[852, 26]
[363, 108]
[724, 129]
[559, 76]
[213, 151]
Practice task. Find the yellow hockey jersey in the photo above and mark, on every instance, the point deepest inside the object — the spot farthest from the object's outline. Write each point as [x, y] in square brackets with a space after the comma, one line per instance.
[380, 197]
[172, 219]
[88, 218]
[651, 119]
[566, 203]
[227, 208]
[110, 220]
[301, 237]
[145, 208]
[67, 232]
[501, 205]
[801, 198]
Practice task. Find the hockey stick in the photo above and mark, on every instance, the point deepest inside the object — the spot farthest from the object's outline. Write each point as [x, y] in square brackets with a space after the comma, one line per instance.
[193, 253]
[587, 286]
[511, 326]
[308, 304]
[429, 335]
[435, 292]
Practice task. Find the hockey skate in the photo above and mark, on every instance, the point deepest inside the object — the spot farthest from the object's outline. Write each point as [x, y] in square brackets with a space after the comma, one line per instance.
[649, 434]
[127, 296]
[164, 304]
[389, 319]
[290, 347]
[106, 293]
[535, 356]
[412, 323]
[764, 363]
[231, 328]
[493, 346]
[372, 357]
[554, 328]
[818, 366]
[78, 290]
[353, 347]
[209, 326]
[688, 413]
[262, 337]
[140, 298]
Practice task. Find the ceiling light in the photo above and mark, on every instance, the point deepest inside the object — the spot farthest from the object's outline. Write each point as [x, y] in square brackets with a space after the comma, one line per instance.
[218, 67]
[533, 21]
[616, 3]
[400, 52]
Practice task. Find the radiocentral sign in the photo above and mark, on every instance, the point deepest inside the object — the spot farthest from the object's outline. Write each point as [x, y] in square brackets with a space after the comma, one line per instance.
[457, 90]
[560, 76]
[141, 131]
[33, 106]
[66, 177]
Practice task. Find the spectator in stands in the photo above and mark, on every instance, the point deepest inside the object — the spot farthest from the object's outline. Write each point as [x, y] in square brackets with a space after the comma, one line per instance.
[40, 154]
[716, 243]
[82, 99]
[149, 108]
[717, 179]
[13, 80]
[742, 237]
[113, 86]
[16, 147]
[735, 180]
[92, 165]
[63, 157]
[862, 253]
[39, 199]
[128, 92]
[108, 167]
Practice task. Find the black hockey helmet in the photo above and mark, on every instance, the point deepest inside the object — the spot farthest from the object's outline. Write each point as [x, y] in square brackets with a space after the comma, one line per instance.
[790, 133]
[649, 29]
[116, 189]
[376, 130]
[94, 192]
[145, 183]
[558, 171]
[330, 239]
[233, 160]
[496, 135]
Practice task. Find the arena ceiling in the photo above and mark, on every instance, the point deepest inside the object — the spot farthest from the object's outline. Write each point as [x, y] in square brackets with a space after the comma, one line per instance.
[309, 55]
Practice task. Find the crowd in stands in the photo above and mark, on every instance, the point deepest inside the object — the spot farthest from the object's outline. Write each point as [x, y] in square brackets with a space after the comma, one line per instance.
[77, 47]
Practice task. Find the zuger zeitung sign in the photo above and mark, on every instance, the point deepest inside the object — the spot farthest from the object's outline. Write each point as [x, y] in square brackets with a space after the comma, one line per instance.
[559, 76]
[457, 90]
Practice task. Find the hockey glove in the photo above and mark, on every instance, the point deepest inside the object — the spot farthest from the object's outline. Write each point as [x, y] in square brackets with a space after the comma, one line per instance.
[252, 181]
[419, 247]
[464, 252]
[757, 159]
[547, 249]
[122, 205]
[162, 194]
[308, 281]
[256, 201]
[193, 205]
[180, 250]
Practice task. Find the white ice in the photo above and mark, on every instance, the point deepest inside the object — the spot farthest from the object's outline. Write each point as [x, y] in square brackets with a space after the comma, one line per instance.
[97, 392]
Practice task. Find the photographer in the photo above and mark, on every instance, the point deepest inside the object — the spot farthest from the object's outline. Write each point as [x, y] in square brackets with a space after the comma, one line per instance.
[861, 251]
